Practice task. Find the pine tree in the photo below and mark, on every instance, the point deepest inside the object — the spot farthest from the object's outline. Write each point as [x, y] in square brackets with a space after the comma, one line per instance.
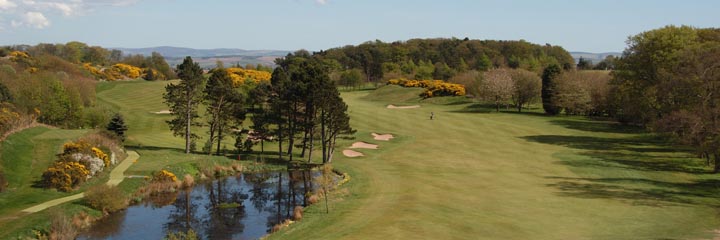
[223, 103]
[117, 125]
[548, 93]
[183, 99]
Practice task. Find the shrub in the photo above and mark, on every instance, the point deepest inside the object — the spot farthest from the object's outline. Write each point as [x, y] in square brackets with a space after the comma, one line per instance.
[128, 70]
[433, 88]
[297, 213]
[188, 181]
[61, 227]
[101, 155]
[64, 175]
[164, 176]
[79, 146]
[106, 198]
[240, 75]
[313, 199]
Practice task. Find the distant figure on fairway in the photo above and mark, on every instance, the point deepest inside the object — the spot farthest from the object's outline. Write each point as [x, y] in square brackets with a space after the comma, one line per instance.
[432, 115]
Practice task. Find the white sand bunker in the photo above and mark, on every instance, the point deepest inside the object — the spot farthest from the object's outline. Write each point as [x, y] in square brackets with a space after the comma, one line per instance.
[402, 107]
[364, 145]
[352, 153]
[163, 112]
[382, 137]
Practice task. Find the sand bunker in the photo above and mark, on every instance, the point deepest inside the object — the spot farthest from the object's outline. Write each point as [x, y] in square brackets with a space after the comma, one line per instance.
[351, 153]
[382, 137]
[402, 107]
[364, 145]
[163, 112]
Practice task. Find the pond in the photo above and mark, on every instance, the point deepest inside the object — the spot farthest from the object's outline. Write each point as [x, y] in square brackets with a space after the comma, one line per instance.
[245, 206]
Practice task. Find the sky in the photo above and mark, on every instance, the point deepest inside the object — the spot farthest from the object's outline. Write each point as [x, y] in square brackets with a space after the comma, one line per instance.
[576, 25]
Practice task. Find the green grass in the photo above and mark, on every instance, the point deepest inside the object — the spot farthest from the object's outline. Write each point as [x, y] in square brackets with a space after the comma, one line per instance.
[24, 156]
[469, 174]
[476, 174]
[150, 136]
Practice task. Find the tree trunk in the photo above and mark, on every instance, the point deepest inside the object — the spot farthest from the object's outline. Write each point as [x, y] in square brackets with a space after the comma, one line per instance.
[219, 137]
[519, 107]
[304, 144]
[717, 162]
[322, 136]
[187, 127]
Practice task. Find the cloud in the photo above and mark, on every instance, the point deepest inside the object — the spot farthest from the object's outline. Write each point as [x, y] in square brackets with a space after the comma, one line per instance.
[32, 13]
[7, 5]
[321, 2]
[32, 19]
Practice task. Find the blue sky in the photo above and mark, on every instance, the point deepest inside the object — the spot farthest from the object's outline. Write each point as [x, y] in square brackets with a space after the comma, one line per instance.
[594, 26]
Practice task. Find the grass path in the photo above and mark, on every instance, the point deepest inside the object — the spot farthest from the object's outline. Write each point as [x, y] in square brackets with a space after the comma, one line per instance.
[472, 174]
[116, 176]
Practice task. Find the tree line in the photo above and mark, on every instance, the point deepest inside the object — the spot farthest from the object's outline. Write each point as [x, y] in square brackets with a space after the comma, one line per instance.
[667, 80]
[300, 108]
[442, 59]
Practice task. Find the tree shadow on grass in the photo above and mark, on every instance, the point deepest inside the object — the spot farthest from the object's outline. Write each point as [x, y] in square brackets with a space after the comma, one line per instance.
[597, 126]
[476, 108]
[638, 156]
[639, 153]
[640, 191]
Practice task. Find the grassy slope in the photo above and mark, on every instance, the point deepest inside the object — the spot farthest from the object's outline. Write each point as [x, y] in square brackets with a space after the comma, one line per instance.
[148, 133]
[24, 156]
[472, 174]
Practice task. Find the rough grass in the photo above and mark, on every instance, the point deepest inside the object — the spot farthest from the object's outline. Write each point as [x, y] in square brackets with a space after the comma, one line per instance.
[472, 174]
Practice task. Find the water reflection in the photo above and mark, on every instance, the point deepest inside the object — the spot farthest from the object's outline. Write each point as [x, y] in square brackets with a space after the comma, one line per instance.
[246, 206]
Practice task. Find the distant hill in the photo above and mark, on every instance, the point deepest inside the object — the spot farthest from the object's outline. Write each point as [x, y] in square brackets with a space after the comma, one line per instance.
[208, 57]
[594, 57]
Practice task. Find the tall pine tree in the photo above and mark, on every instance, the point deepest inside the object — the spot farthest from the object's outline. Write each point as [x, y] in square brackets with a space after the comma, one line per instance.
[183, 99]
[548, 93]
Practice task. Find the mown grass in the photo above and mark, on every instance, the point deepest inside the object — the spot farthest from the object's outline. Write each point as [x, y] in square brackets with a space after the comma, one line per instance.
[476, 174]
[24, 156]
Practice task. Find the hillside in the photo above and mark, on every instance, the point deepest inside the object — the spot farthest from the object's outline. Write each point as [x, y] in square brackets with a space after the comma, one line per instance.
[594, 57]
[207, 58]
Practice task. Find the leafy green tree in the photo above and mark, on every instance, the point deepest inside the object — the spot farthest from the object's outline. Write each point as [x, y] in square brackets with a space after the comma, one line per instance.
[642, 93]
[443, 71]
[183, 99]
[697, 122]
[484, 63]
[351, 78]
[117, 126]
[526, 87]
[549, 76]
[584, 64]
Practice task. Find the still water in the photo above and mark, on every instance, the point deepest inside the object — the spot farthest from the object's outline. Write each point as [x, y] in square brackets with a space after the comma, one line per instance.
[245, 206]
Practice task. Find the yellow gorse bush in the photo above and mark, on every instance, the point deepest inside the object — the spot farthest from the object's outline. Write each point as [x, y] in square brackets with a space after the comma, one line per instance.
[101, 155]
[79, 146]
[128, 70]
[64, 175]
[17, 55]
[164, 176]
[433, 88]
[240, 75]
